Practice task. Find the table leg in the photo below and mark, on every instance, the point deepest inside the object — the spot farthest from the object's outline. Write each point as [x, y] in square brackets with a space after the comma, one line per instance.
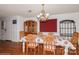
[66, 51]
[23, 47]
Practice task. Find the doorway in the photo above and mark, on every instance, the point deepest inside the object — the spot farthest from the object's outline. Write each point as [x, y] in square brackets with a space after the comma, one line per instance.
[0, 29]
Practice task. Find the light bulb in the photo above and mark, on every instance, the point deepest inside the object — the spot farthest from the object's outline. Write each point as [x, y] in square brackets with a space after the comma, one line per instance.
[47, 14]
[38, 16]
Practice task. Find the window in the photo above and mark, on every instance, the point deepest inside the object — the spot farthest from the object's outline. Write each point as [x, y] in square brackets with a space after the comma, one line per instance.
[67, 28]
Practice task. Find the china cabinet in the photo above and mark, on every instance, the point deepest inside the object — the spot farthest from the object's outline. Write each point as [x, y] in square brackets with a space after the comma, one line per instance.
[30, 27]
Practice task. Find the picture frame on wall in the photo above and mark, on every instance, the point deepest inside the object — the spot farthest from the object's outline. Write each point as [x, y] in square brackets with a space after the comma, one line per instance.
[14, 21]
[3, 25]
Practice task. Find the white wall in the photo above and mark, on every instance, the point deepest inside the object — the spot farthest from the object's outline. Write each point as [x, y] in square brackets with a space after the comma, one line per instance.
[70, 16]
[13, 30]
[59, 17]
[67, 16]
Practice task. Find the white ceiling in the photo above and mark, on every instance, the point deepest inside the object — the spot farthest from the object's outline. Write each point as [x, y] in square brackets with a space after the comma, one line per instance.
[22, 9]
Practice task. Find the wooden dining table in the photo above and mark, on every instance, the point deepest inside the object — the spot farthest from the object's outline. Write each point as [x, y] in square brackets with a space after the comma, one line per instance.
[65, 44]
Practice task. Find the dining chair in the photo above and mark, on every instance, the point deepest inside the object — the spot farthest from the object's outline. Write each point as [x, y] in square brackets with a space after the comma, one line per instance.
[30, 43]
[49, 44]
[74, 41]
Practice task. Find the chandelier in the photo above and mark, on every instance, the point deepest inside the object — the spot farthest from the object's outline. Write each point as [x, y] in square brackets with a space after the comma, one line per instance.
[43, 15]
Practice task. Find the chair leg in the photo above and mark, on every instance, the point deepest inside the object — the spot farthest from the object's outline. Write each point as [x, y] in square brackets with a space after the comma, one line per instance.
[43, 52]
[34, 51]
[27, 51]
[54, 52]
[38, 50]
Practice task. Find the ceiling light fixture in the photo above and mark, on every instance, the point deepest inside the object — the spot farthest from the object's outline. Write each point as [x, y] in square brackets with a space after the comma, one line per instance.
[43, 15]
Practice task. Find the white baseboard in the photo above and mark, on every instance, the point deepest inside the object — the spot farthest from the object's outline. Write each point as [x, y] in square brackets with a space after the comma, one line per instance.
[12, 40]
[16, 40]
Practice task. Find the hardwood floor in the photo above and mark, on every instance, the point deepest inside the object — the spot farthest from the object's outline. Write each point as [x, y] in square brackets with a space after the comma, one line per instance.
[15, 48]
[12, 48]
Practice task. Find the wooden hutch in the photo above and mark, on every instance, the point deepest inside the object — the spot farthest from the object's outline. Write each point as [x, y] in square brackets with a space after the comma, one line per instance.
[30, 27]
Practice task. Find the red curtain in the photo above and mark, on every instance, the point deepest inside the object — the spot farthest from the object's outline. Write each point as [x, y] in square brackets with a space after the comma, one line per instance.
[48, 25]
[43, 26]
